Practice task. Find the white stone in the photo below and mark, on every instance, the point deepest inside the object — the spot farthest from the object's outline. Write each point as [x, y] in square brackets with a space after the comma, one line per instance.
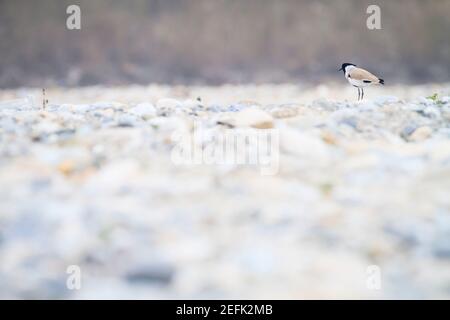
[432, 112]
[168, 104]
[421, 134]
[191, 104]
[255, 118]
[382, 100]
[144, 110]
[106, 105]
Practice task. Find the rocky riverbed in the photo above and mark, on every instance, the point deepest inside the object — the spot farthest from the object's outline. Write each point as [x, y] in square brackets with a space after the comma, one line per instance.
[89, 180]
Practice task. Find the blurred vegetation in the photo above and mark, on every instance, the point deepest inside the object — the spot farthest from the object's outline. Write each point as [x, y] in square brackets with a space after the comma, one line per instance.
[217, 41]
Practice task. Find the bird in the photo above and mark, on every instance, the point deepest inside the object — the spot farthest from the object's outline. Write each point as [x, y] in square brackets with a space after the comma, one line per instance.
[359, 78]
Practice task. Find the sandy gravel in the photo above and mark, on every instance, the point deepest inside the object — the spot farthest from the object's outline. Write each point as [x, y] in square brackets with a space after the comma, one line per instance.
[359, 188]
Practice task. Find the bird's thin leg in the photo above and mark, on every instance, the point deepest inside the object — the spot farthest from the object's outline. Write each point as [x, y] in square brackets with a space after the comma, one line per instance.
[362, 93]
[359, 94]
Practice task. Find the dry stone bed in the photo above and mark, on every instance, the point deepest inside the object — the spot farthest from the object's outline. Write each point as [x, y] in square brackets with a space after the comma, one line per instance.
[89, 181]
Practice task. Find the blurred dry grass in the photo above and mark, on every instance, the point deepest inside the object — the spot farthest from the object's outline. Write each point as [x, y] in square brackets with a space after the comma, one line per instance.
[217, 41]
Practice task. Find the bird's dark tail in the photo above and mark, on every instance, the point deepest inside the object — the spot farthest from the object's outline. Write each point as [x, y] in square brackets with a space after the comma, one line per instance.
[381, 81]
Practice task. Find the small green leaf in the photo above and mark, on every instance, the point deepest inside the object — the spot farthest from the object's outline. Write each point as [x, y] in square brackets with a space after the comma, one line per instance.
[434, 97]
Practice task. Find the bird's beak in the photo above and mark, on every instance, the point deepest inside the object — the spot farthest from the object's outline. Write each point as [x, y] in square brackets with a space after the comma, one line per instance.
[340, 69]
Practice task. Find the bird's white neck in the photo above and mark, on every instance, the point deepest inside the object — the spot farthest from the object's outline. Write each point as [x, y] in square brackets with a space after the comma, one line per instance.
[349, 68]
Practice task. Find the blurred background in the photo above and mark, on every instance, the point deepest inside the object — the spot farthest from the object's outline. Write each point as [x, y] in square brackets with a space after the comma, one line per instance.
[220, 41]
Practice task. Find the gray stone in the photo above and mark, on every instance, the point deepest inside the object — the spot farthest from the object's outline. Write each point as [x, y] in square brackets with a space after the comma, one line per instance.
[152, 274]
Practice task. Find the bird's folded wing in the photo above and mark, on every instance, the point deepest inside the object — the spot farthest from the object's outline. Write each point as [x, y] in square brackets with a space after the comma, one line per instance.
[361, 74]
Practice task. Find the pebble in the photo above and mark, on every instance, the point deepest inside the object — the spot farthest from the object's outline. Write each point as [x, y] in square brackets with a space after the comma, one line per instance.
[421, 134]
[407, 131]
[18, 104]
[193, 105]
[284, 112]
[125, 120]
[106, 105]
[167, 106]
[432, 112]
[382, 100]
[143, 110]
[252, 117]
[151, 274]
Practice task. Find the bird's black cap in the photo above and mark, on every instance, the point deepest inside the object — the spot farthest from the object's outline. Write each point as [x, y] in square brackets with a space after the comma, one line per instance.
[344, 65]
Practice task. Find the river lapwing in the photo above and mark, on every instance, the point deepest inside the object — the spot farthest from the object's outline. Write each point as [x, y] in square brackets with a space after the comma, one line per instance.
[359, 78]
